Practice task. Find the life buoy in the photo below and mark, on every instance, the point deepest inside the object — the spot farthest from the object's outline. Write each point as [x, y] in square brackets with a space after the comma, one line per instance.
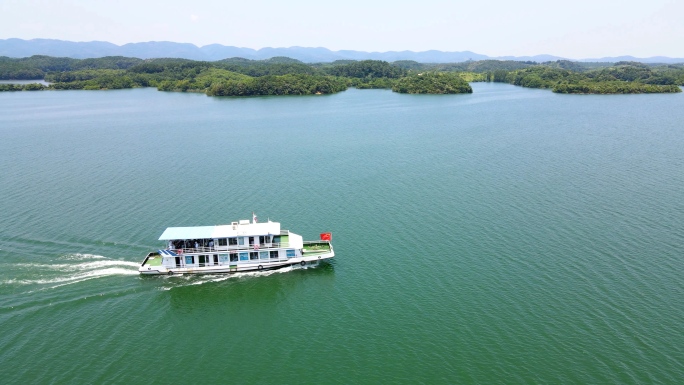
[179, 251]
[260, 267]
[170, 272]
[303, 263]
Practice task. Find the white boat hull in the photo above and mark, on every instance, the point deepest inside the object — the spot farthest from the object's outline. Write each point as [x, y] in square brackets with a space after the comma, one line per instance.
[241, 267]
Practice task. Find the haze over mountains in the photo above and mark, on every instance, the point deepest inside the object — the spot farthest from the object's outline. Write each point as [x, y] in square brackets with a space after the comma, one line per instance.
[17, 48]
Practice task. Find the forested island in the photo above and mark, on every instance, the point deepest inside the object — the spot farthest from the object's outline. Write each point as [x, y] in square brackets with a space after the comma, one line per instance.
[285, 76]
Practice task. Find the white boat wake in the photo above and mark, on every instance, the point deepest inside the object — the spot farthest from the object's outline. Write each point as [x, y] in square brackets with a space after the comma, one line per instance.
[77, 267]
[80, 257]
[60, 274]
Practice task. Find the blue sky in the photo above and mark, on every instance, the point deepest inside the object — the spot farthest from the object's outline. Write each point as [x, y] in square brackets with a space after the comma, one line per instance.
[573, 29]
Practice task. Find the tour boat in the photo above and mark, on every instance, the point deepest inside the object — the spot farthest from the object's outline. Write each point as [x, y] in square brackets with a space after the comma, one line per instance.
[240, 246]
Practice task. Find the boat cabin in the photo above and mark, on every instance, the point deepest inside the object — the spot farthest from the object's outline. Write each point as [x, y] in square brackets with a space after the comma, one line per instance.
[229, 245]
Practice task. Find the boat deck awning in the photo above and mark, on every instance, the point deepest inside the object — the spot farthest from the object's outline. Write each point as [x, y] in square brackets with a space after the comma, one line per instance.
[197, 232]
[222, 231]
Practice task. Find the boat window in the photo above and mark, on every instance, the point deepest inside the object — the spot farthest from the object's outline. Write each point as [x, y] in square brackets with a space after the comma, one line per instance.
[233, 257]
[274, 254]
[232, 241]
[223, 258]
[290, 253]
[203, 259]
[253, 255]
[223, 242]
[264, 239]
[263, 255]
[189, 260]
[241, 241]
[215, 259]
[251, 241]
[276, 239]
[244, 256]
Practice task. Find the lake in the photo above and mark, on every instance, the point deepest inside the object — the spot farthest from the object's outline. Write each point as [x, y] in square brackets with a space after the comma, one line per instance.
[511, 235]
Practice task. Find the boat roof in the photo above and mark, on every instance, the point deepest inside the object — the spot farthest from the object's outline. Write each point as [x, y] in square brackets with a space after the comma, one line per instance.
[221, 231]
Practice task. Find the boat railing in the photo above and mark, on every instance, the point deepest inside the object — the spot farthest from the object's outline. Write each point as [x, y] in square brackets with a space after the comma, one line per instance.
[317, 246]
[232, 248]
[316, 242]
[238, 248]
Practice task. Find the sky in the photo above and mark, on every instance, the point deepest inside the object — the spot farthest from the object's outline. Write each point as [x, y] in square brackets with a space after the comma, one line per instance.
[576, 29]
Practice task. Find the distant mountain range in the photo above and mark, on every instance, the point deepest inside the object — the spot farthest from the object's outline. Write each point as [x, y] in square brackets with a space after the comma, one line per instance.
[17, 48]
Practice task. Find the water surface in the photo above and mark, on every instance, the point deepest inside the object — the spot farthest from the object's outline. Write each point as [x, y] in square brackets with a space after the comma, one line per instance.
[508, 236]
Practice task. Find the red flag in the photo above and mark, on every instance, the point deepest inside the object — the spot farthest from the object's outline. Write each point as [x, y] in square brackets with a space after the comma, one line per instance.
[326, 236]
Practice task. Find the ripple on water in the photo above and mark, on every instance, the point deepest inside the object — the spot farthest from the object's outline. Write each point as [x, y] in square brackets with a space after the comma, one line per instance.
[511, 235]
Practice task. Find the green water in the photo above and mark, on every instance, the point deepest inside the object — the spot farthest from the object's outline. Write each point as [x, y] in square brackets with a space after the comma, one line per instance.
[508, 236]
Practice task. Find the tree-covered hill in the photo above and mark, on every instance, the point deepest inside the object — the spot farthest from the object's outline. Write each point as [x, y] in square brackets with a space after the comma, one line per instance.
[292, 84]
[273, 66]
[366, 69]
[620, 79]
[286, 76]
[432, 83]
[36, 67]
